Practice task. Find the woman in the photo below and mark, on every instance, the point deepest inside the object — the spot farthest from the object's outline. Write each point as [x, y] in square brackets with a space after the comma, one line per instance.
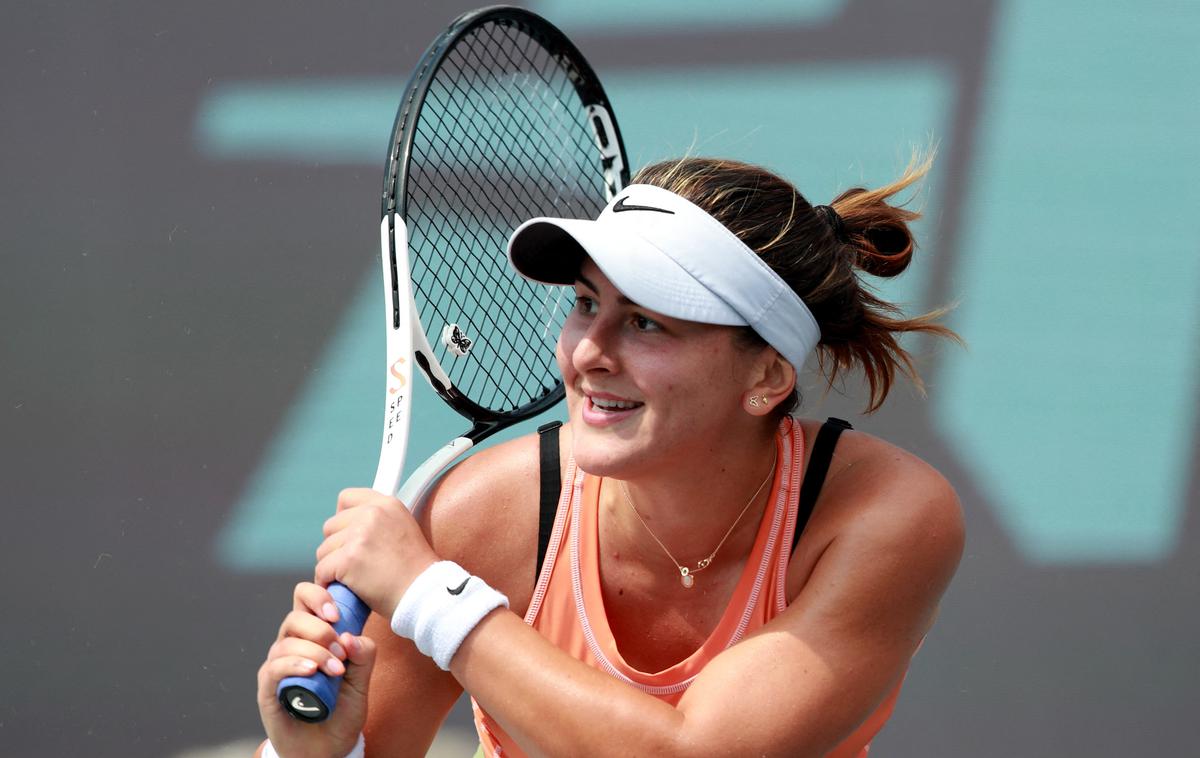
[688, 602]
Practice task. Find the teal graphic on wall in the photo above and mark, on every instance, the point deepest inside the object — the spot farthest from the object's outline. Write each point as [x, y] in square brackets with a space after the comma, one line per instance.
[1072, 405]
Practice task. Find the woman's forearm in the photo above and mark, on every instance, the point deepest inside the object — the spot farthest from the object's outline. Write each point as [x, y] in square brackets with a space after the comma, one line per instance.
[555, 705]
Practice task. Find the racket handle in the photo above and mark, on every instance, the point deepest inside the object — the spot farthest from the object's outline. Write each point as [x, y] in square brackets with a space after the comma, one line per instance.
[312, 698]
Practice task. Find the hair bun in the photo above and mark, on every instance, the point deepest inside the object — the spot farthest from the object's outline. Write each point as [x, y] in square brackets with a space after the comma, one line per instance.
[888, 250]
[878, 232]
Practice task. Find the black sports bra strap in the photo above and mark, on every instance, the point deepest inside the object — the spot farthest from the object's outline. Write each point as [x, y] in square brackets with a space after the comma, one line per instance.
[551, 486]
[818, 467]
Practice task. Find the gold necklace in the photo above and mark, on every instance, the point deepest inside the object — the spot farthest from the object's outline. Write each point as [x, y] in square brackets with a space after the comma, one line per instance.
[686, 575]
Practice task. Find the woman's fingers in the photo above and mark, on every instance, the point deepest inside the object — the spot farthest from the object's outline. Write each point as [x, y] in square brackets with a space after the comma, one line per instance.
[316, 600]
[293, 656]
[279, 668]
[275, 669]
[330, 543]
[306, 631]
[355, 496]
[303, 623]
[359, 661]
[326, 657]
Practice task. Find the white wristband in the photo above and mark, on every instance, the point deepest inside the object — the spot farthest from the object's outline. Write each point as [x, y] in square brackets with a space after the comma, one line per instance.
[441, 607]
[359, 750]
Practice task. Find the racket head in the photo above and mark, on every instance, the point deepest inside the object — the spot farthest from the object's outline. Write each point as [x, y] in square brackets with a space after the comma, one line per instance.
[503, 120]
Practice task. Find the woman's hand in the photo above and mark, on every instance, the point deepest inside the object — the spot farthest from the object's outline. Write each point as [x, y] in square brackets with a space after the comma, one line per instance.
[306, 643]
[375, 547]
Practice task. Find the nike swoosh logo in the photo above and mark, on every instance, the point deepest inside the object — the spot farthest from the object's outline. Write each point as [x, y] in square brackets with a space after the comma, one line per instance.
[299, 705]
[621, 207]
[458, 590]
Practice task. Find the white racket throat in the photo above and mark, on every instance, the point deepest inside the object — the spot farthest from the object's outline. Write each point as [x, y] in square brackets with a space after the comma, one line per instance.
[398, 380]
[404, 341]
[412, 493]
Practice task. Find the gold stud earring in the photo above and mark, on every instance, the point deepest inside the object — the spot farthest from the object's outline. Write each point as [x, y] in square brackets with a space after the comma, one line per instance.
[754, 401]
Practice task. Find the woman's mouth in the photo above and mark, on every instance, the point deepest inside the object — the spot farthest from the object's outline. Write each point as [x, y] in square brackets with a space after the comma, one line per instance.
[600, 411]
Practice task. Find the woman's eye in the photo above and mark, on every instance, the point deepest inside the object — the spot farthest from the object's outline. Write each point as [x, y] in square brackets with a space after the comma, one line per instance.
[585, 304]
[643, 324]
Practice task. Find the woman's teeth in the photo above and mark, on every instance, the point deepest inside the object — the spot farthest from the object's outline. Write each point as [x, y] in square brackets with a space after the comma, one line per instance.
[614, 405]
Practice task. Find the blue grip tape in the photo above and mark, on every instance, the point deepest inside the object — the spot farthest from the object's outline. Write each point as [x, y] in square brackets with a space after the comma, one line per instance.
[313, 698]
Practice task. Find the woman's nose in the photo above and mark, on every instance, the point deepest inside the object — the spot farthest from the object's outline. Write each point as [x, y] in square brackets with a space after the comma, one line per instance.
[595, 348]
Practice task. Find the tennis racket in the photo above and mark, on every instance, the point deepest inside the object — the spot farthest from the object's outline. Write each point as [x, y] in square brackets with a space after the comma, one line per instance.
[503, 120]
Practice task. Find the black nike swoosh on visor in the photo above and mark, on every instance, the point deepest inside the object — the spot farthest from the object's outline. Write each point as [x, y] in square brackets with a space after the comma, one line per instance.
[621, 207]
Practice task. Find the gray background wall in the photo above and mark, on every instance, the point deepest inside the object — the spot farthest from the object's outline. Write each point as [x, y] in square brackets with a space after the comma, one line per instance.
[190, 359]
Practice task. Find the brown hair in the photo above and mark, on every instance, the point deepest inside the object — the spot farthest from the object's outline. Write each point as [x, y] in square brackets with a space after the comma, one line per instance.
[819, 254]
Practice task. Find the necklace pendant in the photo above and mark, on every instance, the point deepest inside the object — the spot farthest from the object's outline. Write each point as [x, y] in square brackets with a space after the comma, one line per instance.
[686, 578]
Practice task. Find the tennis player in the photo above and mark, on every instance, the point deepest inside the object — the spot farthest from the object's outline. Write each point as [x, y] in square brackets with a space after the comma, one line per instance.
[715, 576]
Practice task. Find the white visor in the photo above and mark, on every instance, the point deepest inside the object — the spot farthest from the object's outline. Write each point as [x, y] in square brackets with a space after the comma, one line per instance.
[668, 255]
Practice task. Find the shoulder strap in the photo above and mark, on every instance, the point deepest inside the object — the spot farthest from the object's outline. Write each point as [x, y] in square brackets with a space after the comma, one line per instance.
[551, 486]
[818, 467]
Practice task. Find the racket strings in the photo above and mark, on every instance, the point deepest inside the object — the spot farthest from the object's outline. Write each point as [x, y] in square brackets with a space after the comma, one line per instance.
[502, 136]
[581, 167]
[466, 278]
[581, 148]
[533, 89]
[523, 182]
[540, 73]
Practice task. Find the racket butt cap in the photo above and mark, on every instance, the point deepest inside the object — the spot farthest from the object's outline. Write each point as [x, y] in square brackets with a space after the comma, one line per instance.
[307, 700]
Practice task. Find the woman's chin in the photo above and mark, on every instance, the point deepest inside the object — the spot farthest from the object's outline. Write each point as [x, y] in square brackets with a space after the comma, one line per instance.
[598, 465]
[607, 460]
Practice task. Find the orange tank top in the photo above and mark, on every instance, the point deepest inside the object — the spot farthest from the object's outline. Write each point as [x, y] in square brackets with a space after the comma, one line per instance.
[567, 607]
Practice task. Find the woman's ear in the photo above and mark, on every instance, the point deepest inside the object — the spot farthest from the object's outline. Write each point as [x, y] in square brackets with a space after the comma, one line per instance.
[773, 382]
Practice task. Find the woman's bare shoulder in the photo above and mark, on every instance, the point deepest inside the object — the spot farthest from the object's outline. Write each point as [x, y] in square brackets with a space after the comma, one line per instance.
[883, 497]
[483, 514]
[865, 466]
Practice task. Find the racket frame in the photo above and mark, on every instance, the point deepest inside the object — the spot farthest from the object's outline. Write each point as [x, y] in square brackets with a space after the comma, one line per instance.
[407, 342]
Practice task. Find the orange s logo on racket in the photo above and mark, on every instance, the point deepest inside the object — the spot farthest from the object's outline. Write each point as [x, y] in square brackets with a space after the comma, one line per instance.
[394, 371]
